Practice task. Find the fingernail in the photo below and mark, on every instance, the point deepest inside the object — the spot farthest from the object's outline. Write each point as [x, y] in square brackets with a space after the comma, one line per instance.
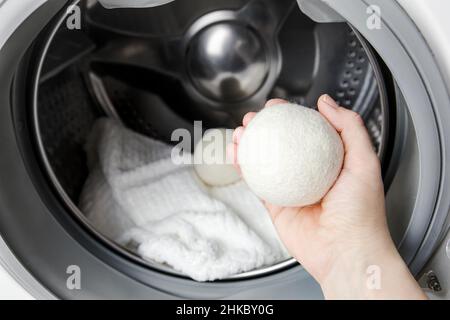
[329, 101]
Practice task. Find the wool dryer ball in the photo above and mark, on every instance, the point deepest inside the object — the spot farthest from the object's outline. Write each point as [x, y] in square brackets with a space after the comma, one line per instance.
[290, 155]
[211, 163]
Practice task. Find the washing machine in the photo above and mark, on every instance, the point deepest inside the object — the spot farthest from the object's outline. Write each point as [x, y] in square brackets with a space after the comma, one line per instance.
[158, 65]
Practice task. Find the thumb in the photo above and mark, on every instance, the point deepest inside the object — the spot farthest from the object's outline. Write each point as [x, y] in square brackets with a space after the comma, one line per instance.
[359, 152]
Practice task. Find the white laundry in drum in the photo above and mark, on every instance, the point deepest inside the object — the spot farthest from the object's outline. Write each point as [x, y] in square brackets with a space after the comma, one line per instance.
[210, 159]
[136, 194]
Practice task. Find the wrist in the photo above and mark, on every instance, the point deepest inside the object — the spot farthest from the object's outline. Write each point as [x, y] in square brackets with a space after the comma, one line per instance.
[373, 271]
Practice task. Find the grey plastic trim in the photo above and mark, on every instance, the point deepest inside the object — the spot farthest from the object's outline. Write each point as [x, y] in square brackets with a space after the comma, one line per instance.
[13, 13]
[439, 264]
[319, 11]
[431, 17]
[21, 275]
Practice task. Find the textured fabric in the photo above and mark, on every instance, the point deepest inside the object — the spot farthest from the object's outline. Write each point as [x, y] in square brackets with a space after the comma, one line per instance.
[290, 155]
[137, 196]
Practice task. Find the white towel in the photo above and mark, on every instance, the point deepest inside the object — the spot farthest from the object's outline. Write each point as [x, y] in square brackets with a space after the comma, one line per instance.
[136, 194]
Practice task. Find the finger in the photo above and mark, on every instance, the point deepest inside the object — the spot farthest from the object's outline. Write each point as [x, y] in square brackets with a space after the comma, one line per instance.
[273, 210]
[237, 134]
[248, 117]
[274, 102]
[357, 143]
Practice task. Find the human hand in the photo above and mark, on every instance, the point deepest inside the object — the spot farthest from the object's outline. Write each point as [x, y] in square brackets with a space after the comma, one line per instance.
[337, 239]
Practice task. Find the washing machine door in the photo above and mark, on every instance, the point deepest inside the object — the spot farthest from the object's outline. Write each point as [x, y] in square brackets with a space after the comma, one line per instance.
[412, 38]
[431, 19]
[52, 253]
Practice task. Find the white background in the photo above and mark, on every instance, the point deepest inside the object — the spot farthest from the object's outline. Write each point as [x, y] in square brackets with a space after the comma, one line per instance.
[9, 289]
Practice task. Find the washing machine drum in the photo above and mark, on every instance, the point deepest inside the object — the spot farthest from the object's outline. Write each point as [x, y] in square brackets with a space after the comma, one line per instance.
[163, 66]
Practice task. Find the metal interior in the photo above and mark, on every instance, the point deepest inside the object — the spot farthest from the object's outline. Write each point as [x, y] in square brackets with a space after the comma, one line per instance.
[159, 76]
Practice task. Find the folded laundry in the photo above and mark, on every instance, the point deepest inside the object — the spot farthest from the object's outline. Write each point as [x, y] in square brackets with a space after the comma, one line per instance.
[136, 195]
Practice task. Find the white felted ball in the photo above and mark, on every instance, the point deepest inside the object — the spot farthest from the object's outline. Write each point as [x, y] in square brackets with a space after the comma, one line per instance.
[290, 155]
[210, 160]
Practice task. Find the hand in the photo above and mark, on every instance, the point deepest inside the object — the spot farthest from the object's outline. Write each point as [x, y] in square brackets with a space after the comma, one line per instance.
[337, 239]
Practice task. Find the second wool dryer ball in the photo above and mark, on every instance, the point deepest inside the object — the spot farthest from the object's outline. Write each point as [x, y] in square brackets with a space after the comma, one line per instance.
[290, 155]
